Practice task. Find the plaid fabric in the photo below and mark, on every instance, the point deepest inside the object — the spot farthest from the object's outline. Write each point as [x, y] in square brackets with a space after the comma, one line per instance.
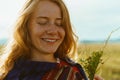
[64, 71]
[34, 70]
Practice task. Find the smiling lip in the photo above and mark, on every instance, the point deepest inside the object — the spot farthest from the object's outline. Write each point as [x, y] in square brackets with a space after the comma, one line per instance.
[49, 39]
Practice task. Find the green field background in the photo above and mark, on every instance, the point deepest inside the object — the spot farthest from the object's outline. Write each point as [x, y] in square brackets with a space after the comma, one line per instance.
[110, 69]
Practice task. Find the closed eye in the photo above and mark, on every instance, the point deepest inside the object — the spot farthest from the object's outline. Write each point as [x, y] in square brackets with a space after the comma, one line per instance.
[59, 22]
[42, 21]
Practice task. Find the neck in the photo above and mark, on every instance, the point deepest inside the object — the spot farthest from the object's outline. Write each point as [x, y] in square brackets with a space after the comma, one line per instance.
[43, 57]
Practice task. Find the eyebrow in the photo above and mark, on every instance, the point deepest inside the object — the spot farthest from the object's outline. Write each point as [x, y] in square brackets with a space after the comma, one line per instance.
[41, 17]
[59, 18]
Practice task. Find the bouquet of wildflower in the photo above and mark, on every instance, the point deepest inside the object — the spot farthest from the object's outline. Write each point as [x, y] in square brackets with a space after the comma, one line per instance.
[92, 62]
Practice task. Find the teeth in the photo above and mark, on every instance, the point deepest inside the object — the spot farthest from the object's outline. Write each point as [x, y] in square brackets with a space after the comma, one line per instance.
[49, 40]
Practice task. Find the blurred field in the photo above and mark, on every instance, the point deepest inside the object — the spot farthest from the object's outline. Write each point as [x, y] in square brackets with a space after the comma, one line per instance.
[0, 49]
[110, 69]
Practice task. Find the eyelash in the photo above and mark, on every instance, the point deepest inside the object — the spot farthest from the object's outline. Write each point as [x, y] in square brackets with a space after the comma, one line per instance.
[42, 23]
[57, 24]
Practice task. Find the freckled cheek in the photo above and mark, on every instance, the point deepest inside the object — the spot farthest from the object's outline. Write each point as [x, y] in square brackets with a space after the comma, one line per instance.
[62, 31]
[37, 30]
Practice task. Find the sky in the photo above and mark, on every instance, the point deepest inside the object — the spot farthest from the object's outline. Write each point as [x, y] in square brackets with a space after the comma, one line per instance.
[91, 19]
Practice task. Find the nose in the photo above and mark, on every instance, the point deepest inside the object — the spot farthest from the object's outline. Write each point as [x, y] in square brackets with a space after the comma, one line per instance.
[52, 29]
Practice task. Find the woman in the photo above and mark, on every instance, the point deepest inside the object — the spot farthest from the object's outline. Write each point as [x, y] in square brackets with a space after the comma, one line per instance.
[42, 44]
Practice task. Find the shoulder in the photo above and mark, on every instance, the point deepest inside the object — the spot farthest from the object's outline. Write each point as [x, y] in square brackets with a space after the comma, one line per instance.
[76, 66]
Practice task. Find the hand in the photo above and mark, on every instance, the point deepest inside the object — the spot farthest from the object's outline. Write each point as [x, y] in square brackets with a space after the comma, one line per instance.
[96, 77]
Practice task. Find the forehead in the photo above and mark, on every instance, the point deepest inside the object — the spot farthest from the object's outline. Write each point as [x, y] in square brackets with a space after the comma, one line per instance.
[47, 7]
